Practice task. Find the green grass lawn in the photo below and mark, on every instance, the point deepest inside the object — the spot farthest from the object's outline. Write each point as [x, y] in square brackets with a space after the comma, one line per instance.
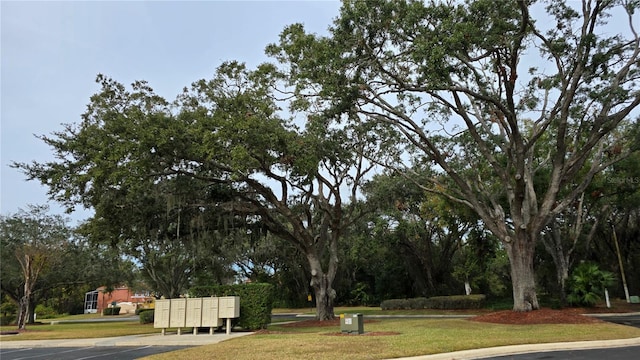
[413, 337]
[46, 331]
[410, 337]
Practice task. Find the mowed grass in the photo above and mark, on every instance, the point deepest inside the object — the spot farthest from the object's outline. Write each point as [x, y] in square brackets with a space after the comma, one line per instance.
[414, 337]
[47, 331]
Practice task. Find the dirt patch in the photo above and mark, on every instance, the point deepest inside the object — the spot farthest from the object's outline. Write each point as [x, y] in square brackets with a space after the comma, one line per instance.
[542, 316]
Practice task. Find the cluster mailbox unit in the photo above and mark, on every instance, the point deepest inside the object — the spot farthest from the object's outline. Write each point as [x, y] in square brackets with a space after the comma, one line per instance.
[196, 312]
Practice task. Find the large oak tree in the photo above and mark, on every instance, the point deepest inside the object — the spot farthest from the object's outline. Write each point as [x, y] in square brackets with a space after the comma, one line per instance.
[475, 87]
[293, 177]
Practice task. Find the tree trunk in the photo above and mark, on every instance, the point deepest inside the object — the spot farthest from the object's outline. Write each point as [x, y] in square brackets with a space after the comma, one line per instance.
[322, 286]
[521, 253]
[23, 312]
[553, 245]
[324, 300]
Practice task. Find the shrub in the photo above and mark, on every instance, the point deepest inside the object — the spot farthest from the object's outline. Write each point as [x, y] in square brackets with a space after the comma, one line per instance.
[45, 312]
[456, 302]
[8, 311]
[404, 304]
[7, 320]
[8, 307]
[146, 316]
[256, 301]
[111, 311]
[141, 309]
[418, 303]
[437, 302]
[393, 304]
[587, 283]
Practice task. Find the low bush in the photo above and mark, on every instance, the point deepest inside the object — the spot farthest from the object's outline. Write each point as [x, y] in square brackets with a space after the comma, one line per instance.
[141, 309]
[146, 316]
[111, 311]
[404, 304]
[256, 301]
[454, 302]
[45, 312]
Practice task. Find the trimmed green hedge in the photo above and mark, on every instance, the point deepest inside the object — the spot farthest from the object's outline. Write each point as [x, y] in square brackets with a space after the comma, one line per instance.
[111, 311]
[146, 316]
[256, 301]
[454, 302]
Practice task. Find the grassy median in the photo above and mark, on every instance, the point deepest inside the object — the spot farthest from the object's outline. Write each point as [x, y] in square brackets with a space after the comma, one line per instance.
[383, 338]
[397, 338]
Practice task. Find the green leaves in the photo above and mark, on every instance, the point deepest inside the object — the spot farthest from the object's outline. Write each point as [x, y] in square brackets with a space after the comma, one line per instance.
[588, 283]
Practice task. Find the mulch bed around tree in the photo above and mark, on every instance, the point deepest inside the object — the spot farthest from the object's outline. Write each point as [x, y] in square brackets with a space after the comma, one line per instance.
[542, 316]
[10, 332]
[563, 316]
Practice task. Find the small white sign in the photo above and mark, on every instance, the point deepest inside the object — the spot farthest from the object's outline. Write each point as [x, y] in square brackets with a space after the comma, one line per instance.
[347, 321]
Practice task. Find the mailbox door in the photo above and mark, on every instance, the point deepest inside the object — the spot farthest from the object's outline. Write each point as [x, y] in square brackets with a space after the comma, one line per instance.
[178, 313]
[210, 312]
[229, 307]
[161, 313]
[194, 312]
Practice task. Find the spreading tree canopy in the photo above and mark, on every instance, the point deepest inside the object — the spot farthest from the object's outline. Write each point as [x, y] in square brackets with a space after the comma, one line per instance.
[475, 87]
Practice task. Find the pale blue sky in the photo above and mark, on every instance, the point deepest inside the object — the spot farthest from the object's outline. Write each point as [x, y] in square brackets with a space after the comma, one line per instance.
[52, 51]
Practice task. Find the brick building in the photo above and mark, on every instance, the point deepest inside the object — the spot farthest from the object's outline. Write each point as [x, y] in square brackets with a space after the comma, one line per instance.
[127, 299]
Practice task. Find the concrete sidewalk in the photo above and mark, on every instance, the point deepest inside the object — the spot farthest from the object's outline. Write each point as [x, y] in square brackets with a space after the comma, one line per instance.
[171, 339]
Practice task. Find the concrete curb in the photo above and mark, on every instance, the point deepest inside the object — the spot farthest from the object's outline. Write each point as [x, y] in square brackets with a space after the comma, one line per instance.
[613, 314]
[527, 348]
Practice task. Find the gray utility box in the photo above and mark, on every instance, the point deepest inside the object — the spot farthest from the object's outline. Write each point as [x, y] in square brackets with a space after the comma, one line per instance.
[634, 299]
[351, 323]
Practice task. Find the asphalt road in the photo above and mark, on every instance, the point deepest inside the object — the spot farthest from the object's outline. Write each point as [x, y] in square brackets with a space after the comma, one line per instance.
[629, 320]
[622, 353]
[82, 353]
